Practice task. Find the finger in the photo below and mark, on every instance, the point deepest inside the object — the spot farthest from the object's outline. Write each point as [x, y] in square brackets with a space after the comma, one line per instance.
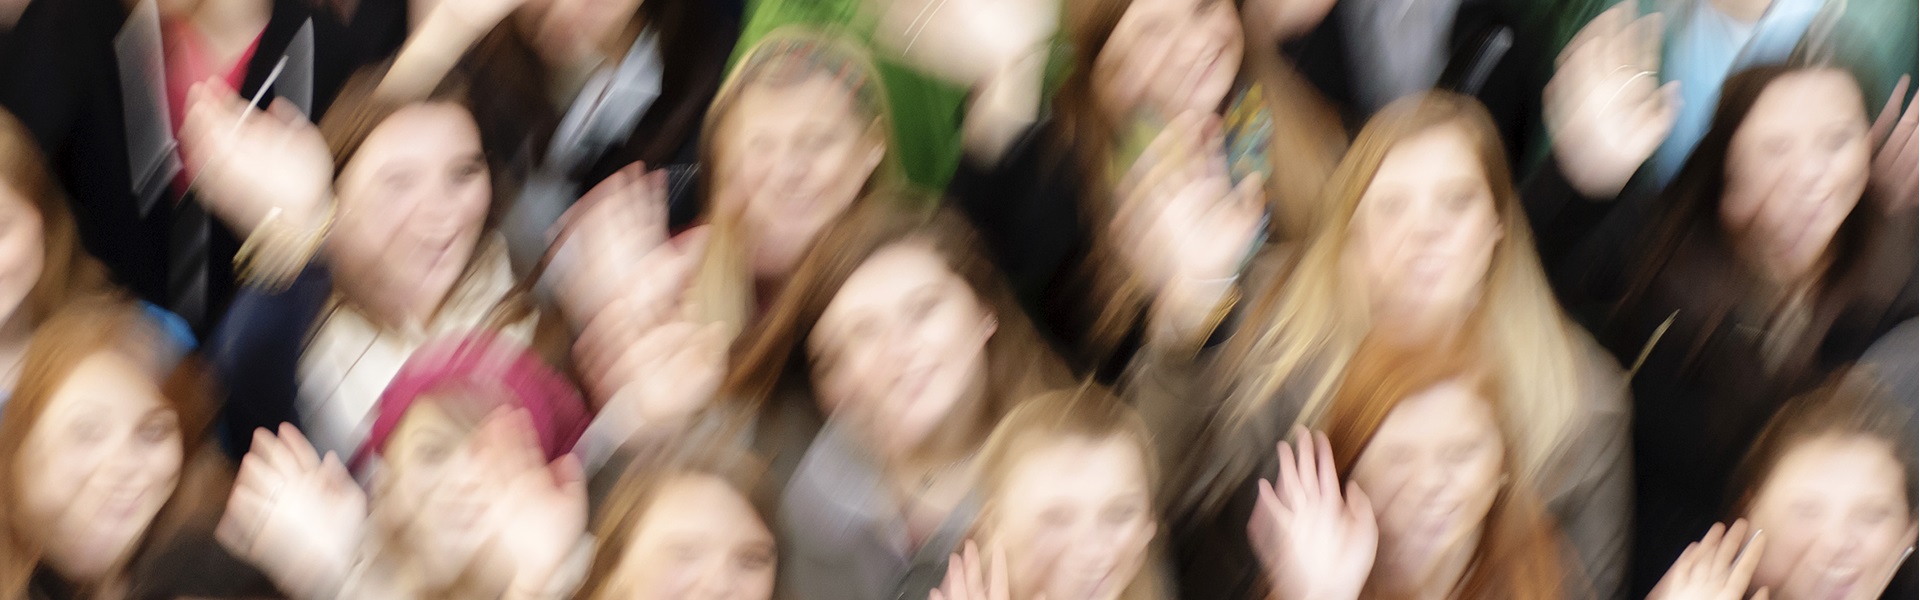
[297, 446]
[997, 573]
[1290, 477]
[286, 113]
[951, 582]
[976, 576]
[1648, 31]
[1269, 501]
[1599, 27]
[1709, 551]
[273, 455]
[1742, 573]
[1889, 112]
[1731, 542]
[1762, 594]
[1329, 480]
[1309, 466]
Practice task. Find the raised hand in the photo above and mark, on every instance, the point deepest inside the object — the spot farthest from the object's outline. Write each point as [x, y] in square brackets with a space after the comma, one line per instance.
[1313, 544]
[1605, 107]
[1718, 567]
[299, 518]
[540, 514]
[250, 164]
[969, 577]
[1186, 226]
[604, 238]
[966, 41]
[1896, 174]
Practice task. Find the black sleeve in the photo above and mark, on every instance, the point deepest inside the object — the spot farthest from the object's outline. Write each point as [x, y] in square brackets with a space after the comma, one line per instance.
[1027, 210]
[256, 354]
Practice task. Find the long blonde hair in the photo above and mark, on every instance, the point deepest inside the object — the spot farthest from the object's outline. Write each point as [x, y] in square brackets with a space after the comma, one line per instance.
[723, 288]
[1308, 324]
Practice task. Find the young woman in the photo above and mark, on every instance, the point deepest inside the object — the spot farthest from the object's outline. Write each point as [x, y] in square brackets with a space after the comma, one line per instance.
[42, 265]
[1429, 509]
[576, 91]
[776, 177]
[1069, 481]
[902, 335]
[1423, 243]
[473, 492]
[1149, 74]
[109, 491]
[1831, 482]
[395, 202]
[682, 522]
[1762, 269]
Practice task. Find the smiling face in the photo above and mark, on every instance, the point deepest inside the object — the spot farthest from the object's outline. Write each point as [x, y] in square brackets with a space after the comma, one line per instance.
[437, 485]
[793, 156]
[1426, 228]
[1836, 518]
[1795, 168]
[901, 346]
[1075, 518]
[413, 202]
[98, 464]
[1170, 56]
[1432, 470]
[699, 538]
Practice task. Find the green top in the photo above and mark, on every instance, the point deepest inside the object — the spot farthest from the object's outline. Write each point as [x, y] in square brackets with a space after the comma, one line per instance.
[926, 111]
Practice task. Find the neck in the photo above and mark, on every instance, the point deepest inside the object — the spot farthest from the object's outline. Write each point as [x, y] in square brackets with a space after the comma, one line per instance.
[1745, 11]
[230, 25]
[951, 443]
[1433, 574]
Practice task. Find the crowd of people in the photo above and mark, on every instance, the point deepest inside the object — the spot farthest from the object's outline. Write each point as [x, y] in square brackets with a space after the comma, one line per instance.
[958, 299]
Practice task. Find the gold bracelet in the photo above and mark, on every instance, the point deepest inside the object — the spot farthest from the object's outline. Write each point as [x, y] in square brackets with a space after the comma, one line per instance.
[275, 253]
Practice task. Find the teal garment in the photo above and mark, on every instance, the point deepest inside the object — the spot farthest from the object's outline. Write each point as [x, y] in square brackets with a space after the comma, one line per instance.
[1874, 38]
[927, 112]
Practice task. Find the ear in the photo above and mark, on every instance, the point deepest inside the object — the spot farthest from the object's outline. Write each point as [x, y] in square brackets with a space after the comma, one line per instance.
[989, 325]
[876, 138]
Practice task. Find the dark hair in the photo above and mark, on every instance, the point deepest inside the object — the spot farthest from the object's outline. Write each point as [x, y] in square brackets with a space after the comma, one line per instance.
[1851, 404]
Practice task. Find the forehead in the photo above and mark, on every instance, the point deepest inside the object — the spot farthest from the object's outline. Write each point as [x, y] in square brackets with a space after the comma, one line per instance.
[888, 275]
[420, 131]
[1839, 465]
[1792, 101]
[109, 383]
[1079, 466]
[1452, 408]
[810, 97]
[695, 501]
[1433, 153]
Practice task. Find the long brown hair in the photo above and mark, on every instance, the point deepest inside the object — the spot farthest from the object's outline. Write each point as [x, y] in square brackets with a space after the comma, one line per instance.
[1087, 414]
[68, 271]
[1307, 143]
[1314, 318]
[1851, 404]
[1018, 362]
[1518, 552]
[67, 338]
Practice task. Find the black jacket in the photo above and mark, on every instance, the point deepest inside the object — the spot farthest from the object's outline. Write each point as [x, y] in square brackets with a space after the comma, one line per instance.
[60, 76]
